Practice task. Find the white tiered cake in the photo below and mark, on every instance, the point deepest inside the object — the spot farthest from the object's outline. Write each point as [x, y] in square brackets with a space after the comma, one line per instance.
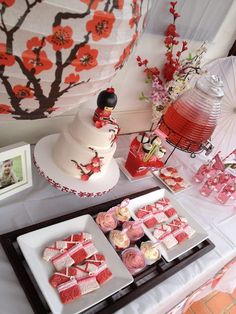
[83, 150]
[80, 159]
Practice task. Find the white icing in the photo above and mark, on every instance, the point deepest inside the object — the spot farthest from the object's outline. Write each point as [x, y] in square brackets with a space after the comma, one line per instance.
[158, 233]
[189, 230]
[75, 141]
[83, 130]
[161, 217]
[169, 241]
[88, 285]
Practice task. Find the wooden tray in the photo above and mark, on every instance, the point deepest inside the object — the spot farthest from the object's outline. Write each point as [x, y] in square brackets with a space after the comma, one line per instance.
[150, 277]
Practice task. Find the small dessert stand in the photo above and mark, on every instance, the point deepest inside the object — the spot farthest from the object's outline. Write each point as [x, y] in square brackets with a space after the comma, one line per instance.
[59, 179]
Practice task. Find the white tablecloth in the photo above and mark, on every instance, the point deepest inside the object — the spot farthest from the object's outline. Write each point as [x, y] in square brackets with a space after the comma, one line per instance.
[42, 202]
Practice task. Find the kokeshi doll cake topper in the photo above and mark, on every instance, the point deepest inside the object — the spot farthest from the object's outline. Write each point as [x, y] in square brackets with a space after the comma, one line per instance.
[106, 102]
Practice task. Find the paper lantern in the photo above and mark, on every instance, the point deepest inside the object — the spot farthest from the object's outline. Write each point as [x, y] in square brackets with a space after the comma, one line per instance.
[55, 54]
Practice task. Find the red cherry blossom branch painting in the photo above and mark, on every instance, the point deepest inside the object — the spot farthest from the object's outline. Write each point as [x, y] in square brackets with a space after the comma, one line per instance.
[70, 56]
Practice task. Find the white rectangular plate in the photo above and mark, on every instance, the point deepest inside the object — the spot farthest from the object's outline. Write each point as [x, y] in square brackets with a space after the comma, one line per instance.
[32, 245]
[169, 254]
[157, 175]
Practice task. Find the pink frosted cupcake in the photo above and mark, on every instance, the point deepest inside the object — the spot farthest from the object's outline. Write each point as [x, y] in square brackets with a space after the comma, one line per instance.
[119, 239]
[133, 259]
[134, 230]
[106, 221]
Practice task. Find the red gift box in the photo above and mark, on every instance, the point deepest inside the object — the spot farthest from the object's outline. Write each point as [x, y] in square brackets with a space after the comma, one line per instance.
[137, 167]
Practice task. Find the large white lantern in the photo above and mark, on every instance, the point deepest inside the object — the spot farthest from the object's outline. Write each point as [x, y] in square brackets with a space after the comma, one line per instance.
[55, 54]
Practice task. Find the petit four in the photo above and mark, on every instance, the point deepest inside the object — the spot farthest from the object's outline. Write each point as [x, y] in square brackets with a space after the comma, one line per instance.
[80, 269]
[87, 284]
[69, 291]
[169, 240]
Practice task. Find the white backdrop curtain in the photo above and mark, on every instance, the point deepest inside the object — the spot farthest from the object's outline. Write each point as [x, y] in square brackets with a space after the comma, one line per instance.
[200, 19]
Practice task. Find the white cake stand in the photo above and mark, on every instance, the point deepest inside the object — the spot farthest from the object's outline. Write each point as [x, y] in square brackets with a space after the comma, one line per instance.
[59, 179]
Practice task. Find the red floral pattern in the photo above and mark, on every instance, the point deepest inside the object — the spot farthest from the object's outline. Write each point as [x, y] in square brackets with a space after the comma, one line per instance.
[5, 58]
[8, 3]
[22, 92]
[35, 42]
[72, 78]
[126, 52]
[86, 58]
[36, 60]
[94, 4]
[5, 109]
[101, 25]
[61, 38]
[42, 53]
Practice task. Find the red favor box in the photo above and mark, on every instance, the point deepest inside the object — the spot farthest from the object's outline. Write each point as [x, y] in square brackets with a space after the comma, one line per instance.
[137, 167]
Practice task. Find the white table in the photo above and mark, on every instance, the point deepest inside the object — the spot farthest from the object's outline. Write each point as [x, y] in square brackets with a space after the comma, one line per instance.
[42, 202]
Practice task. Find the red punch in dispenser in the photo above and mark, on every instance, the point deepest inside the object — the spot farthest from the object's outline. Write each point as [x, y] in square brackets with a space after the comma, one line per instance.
[190, 121]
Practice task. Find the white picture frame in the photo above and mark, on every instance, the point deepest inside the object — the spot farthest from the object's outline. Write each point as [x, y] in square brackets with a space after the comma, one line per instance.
[15, 169]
